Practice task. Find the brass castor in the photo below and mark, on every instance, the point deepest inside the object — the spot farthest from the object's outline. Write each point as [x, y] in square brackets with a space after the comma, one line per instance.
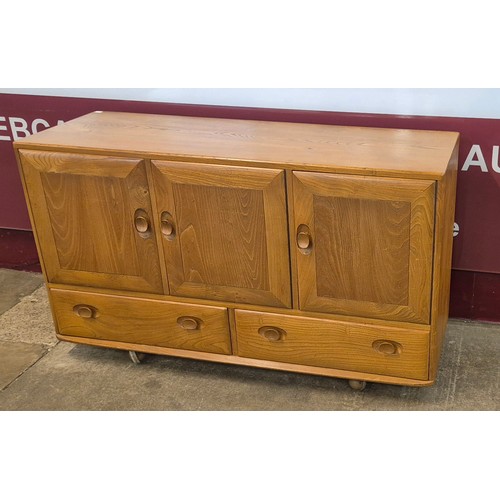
[136, 357]
[357, 385]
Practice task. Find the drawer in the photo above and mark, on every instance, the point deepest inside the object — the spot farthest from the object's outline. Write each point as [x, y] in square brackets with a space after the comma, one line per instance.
[141, 321]
[333, 344]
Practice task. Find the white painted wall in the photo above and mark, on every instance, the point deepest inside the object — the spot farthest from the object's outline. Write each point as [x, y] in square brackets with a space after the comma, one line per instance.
[468, 103]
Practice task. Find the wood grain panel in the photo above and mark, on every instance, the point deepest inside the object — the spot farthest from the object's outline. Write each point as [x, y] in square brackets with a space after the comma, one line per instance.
[230, 240]
[222, 234]
[85, 210]
[141, 321]
[91, 221]
[327, 148]
[371, 239]
[372, 245]
[331, 344]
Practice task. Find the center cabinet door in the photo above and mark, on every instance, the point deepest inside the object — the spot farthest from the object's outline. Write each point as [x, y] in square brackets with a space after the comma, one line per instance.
[364, 245]
[224, 232]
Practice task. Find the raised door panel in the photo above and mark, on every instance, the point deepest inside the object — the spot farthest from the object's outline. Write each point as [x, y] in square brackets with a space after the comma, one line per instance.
[92, 219]
[364, 245]
[224, 232]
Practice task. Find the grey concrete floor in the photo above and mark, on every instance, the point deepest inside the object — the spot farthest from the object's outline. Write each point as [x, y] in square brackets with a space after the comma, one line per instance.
[39, 373]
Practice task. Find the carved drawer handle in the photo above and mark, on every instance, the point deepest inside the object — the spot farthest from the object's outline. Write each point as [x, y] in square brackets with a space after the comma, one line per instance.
[272, 333]
[190, 323]
[85, 311]
[388, 347]
[167, 225]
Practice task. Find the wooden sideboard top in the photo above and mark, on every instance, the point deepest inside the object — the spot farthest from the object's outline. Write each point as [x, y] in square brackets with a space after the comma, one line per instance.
[324, 148]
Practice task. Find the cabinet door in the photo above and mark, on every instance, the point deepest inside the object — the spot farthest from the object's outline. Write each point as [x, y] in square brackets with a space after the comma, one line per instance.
[92, 219]
[224, 232]
[364, 245]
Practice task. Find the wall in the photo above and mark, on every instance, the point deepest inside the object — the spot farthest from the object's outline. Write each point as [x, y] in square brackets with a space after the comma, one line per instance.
[462, 103]
[473, 113]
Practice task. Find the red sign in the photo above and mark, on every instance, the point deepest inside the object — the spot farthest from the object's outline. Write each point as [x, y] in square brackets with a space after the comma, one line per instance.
[477, 227]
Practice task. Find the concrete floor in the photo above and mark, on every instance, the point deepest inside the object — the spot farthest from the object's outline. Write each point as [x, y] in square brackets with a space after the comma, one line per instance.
[39, 373]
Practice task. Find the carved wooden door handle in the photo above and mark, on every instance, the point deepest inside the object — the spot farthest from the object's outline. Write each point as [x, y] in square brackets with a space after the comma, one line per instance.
[141, 223]
[167, 225]
[304, 238]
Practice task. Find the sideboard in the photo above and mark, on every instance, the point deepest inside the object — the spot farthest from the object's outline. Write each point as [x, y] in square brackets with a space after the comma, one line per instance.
[310, 248]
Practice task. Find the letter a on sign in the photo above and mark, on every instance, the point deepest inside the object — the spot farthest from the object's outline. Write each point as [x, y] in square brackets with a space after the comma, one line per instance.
[475, 150]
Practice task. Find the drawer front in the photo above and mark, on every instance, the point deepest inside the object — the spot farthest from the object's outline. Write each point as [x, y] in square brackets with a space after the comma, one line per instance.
[141, 321]
[331, 344]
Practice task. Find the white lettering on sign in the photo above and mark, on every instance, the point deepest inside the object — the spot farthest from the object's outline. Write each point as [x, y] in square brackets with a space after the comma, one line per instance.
[475, 158]
[3, 127]
[480, 162]
[19, 127]
[494, 159]
[38, 121]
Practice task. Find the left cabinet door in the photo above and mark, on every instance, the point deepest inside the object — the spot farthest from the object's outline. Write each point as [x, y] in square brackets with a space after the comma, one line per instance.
[93, 221]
